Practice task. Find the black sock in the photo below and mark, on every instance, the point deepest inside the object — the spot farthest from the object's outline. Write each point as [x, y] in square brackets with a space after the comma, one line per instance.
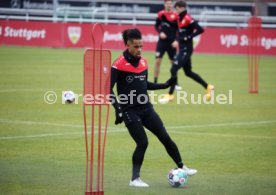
[180, 165]
[135, 172]
[172, 88]
[155, 79]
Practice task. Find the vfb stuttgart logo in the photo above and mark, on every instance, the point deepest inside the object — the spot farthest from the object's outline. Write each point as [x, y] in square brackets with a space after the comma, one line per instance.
[74, 34]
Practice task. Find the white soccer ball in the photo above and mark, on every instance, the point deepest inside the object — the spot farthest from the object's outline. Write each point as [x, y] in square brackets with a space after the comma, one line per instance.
[68, 97]
[177, 178]
[162, 99]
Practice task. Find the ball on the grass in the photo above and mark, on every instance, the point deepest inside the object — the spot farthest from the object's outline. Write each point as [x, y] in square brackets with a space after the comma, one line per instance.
[68, 97]
[177, 178]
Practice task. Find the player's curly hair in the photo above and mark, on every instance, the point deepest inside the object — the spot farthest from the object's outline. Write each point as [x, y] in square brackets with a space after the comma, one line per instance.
[130, 34]
[180, 4]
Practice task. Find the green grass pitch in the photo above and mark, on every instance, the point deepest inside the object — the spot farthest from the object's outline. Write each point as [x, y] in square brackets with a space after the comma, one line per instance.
[42, 147]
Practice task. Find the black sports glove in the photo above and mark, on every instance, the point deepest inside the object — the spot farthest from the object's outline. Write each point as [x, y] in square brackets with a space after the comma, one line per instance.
[171, 82]
[119, 116]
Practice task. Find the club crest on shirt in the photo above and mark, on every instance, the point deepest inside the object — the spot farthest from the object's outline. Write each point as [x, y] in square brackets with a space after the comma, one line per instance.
[143, 63]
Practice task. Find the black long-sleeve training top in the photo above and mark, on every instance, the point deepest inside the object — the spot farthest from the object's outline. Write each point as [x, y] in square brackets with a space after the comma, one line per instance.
[188, 28]
[131, 74]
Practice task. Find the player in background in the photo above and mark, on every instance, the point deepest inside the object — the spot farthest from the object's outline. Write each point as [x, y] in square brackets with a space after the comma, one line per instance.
[166, 26]
[130, 73]
[188, 28]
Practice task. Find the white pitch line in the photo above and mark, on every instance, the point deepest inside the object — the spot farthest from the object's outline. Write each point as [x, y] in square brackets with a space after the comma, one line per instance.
[224, 124]
[52, 135]
[45, 123]
[223, 135]
[34, 90]
[25, 90]
[117, 130]
[37, 136]
[37, 123]
[167, 127]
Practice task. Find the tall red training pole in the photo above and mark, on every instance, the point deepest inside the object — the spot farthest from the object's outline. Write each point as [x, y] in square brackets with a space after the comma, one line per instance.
[254, 43]
[96, 90]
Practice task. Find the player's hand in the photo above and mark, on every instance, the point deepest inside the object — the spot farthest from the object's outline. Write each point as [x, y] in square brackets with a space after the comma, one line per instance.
[119, 116]
[162, 35]
[175, 44]
[171, 81]
[187, 38]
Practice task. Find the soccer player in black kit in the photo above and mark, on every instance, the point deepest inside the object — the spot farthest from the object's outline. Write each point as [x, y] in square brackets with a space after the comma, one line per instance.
[130, 73]
[166, 27]
[188, 28]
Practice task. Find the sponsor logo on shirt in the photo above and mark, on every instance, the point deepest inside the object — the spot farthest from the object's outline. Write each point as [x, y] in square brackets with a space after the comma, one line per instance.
[129, 79]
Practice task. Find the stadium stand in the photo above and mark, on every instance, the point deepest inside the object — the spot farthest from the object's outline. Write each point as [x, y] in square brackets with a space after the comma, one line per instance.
[209, 13]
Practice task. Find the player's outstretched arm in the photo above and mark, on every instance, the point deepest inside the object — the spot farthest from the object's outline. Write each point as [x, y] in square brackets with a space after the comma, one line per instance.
[156, 86]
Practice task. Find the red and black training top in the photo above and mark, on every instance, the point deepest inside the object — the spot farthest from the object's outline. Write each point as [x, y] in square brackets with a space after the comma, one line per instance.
[167, 22]
[188, 28]
[131, 74]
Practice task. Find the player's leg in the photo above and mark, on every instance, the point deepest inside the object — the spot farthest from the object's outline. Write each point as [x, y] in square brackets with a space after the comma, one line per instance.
[181, 60]
[172, 54]
[137, 132]
[187, 67]
[157, 65]
[189, 73]
[160, 50]
[153, 123]
[174, 69]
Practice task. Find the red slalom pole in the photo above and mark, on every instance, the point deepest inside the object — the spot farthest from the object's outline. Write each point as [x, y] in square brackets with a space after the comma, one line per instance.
[97, 66]
[254, 29]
